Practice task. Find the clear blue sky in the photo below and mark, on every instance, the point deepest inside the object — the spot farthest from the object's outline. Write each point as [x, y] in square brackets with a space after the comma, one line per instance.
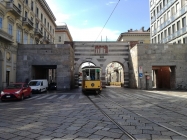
[86, 18]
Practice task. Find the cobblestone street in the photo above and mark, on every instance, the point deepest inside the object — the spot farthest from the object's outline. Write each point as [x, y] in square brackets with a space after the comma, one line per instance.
[71, 115]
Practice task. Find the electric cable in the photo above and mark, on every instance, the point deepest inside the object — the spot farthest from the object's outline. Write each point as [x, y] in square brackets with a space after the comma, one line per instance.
[107, 20]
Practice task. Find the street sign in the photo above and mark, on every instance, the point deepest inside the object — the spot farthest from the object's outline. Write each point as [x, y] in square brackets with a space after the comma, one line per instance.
[140, 75]
[140, 69]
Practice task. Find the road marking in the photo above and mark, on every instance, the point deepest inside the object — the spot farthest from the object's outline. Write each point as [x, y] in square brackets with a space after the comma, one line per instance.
[71, 97]
[42, 97]
[52, 97]
[62, 96]
[32, 98]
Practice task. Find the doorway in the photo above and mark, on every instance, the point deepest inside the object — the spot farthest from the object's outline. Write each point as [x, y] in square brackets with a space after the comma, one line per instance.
[163, 77]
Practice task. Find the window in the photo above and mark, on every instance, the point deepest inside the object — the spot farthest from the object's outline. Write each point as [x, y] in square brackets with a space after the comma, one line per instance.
[10, 27]
[48, 25]
[37, 12]
[25, 38]
[42, 17]
[19, 6]
[59, 39]
[31, 40]
[26, 1]
[184, 22]
[50, 28]
[177, 7]
[173, 28]
[165, 33]
[179, 41]
[164, 3]
[178, 25]
[185, 40]
[32, 5]
[45, 21]
[169, 30]
[18, 36]
[157, 9]
[168, 14]
[1, 22]
[25, 14]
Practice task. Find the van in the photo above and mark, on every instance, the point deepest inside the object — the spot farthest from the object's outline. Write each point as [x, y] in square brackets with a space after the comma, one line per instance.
[40, 85]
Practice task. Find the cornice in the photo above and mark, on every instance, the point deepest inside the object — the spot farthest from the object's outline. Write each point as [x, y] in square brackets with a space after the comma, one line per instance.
[48, 11]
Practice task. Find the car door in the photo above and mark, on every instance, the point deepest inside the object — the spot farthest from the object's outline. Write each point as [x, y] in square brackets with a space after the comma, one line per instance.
[25, 90]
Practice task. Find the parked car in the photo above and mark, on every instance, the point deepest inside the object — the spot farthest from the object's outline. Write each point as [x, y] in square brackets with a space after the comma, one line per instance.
[40, 85]
[16, 91]
[52, 86]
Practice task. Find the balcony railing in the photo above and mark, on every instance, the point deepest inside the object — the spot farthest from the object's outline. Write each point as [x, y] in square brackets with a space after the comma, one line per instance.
[38, 32]
[13, 8]
[28, 22]
[4, 35]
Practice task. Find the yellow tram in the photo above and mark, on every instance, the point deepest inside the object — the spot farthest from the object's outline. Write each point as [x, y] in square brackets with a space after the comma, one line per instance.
[91, 79]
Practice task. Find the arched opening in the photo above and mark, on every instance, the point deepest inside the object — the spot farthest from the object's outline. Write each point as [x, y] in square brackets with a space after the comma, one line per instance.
[114, 74]
[80, 70]
[1, 70]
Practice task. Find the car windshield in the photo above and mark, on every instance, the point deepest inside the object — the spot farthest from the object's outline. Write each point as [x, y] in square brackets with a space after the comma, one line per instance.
[14, 86]
[34, 83]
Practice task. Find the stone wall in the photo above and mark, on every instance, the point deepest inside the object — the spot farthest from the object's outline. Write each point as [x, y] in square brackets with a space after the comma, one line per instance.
[148, 55]
[60, 55]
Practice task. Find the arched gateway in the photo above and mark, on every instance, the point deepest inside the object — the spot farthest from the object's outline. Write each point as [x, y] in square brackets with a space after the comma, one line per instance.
[101, 54]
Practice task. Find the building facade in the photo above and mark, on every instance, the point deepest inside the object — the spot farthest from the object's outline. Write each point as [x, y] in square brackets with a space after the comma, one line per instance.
[22, 22]
[62, 34]
[133, 37]
[163, 66]
[168, 21]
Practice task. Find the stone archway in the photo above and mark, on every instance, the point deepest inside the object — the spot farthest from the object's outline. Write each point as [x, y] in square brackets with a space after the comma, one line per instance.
[101, 54]
[1, 70]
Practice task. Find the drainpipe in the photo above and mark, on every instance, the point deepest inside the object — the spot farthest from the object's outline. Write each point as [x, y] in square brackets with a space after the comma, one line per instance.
[22, 21]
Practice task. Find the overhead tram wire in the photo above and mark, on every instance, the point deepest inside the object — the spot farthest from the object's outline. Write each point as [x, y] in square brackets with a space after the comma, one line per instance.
[107, 21]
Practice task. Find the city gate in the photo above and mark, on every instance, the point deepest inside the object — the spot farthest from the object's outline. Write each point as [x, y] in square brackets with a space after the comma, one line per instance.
[101, 54]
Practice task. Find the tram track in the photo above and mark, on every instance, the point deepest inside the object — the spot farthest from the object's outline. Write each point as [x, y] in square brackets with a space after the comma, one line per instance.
[113, 121]
[137, 114]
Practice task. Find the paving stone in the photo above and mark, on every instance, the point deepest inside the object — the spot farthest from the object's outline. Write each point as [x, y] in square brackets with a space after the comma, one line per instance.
[154, 132]
[73, 128]
[143, 137]
[42, 137]
[7, 135]
[108, 134]
[57, 135]
[160, 137]
[178, 138]
[95, 137]
[23, 133]
[17, 138]
[69, 136]
[33, 136]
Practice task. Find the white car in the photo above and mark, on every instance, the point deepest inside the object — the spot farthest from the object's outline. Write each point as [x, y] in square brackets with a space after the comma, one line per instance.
[40, 85]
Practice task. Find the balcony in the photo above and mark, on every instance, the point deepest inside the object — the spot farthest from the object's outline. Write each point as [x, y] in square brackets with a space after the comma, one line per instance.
[28, 22]
[5, 36]
[38, 32]
[13, 9]
[46, 40]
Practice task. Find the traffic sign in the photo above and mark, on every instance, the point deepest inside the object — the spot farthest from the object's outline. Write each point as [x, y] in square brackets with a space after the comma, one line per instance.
[140, 75]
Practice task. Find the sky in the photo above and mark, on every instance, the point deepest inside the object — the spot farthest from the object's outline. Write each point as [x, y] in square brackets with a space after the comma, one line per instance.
[86, 18]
